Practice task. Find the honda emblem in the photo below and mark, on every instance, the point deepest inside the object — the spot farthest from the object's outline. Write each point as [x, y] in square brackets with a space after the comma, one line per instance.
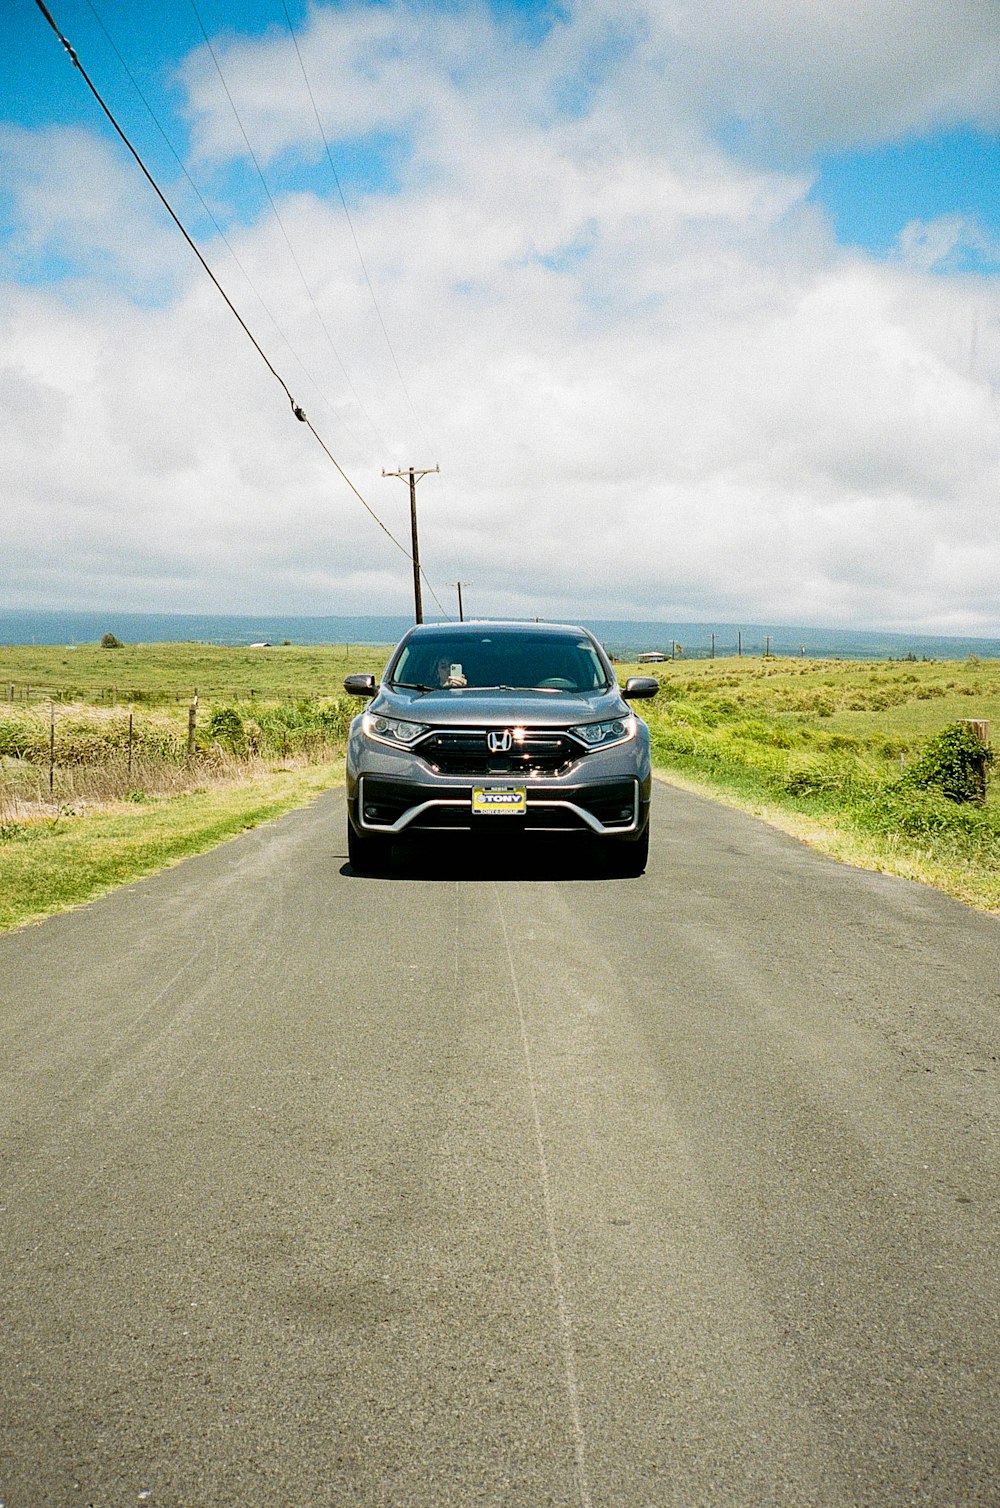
[499, 743]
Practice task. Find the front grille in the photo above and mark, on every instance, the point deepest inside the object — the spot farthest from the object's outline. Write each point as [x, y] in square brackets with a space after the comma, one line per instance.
[385, 801]
[465, 752]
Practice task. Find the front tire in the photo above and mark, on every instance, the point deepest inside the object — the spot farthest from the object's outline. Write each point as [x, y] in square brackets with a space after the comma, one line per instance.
[368, 853]
[626, 861]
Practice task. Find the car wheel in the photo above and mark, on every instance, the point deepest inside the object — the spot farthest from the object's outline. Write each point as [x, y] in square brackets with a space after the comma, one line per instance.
[368, 853]
[627, 860]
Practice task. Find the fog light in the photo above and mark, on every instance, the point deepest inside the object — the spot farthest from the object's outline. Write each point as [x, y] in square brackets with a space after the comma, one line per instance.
[371, 811]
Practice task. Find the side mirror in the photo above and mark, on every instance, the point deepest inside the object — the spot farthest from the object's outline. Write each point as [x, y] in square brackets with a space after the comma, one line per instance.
[639, 686]
[360, 685]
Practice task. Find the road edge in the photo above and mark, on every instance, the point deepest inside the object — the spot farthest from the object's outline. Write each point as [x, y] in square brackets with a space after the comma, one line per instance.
[846, 846]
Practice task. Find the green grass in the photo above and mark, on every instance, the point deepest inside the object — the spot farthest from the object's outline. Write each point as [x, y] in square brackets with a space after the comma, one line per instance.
[820, 746]
[120, 806]
[817, 746]
[50, 865]
[109, 753]
[163, 673]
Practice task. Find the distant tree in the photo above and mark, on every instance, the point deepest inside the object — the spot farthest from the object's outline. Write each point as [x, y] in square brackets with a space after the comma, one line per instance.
[110, 641]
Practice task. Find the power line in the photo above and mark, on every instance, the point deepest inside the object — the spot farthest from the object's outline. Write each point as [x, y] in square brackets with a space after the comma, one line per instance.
[444, 611]
[296, 410]
[350, 222]
[364, 269]
[281, 226]
[314, 382]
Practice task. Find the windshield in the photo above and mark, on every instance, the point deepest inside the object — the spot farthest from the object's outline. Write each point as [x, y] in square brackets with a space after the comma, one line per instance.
[519, 661]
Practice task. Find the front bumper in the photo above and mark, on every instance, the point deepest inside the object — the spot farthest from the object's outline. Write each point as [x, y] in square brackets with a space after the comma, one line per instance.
[394, 792]
[382, 805]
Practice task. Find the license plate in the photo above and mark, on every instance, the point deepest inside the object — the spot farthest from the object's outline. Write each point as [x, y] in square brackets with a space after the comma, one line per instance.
[499, 801]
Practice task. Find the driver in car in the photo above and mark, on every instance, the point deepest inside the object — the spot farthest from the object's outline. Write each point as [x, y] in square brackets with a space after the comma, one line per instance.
[450, 674]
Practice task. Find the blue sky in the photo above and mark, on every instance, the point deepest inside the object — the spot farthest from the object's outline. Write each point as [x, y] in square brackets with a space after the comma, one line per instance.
[871, 195]
[629, 269]
[870, 192]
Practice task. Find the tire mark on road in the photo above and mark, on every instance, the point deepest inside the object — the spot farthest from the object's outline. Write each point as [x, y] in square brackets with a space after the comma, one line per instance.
[565, 1323]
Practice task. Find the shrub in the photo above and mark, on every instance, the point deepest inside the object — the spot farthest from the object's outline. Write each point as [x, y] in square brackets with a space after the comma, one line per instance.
[954, 763]
[110, 641]
[225, 727]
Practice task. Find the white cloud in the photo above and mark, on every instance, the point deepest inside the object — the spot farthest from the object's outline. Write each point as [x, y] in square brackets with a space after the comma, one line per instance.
[70, 194]
[654, 384]
[947, 243]
[806, 76]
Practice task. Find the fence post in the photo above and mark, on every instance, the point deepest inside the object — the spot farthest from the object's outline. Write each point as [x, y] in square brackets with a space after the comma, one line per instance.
[981, 728]
[192, 723]
[130, 746]
[52, 747]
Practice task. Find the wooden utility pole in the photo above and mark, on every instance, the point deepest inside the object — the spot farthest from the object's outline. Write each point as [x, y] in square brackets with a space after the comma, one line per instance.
[461, 614]
[414, 474]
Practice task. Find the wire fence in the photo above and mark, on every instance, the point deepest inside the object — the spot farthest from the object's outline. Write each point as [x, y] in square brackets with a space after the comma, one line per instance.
[31, 693]
[64, 754]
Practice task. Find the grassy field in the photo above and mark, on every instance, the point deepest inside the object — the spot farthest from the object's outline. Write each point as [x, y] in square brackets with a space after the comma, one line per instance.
[50, 864]
[98, 784]
[172, 673]
[86, 725]
[823, 748]
[826, 749]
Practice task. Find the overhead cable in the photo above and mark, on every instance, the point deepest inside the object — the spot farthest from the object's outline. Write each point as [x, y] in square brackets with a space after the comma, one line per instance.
[296, 410]
[350, 222]
[282, 335]
[281, 226]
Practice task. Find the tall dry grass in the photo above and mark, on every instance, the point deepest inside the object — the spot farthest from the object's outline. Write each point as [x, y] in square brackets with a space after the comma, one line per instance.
[93, 760]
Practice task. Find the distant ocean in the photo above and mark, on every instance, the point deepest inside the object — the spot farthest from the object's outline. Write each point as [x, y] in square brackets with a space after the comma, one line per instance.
[623, 638]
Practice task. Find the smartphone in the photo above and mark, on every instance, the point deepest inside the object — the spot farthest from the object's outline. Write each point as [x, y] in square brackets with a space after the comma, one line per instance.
[455, 672]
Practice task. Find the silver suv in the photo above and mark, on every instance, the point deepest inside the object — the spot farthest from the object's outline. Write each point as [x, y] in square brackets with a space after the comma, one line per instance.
[512, 728]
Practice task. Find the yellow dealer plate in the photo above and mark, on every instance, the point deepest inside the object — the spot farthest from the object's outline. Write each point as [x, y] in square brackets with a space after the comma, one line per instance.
[499, 801]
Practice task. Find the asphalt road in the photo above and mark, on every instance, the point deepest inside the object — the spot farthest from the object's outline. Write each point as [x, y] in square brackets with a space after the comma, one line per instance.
[480, 1185]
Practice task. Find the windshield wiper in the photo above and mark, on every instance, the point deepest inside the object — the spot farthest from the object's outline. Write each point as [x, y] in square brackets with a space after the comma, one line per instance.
[548, 690]
[413, 686]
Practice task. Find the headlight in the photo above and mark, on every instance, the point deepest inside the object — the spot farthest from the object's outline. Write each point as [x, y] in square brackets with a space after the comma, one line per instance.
[614, 731]
[391, 731]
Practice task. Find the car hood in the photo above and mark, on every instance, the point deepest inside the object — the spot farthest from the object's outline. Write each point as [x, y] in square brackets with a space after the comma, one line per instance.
[472, 707]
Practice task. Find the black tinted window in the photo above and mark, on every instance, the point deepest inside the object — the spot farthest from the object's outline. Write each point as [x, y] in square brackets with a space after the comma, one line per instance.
[549, 662]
